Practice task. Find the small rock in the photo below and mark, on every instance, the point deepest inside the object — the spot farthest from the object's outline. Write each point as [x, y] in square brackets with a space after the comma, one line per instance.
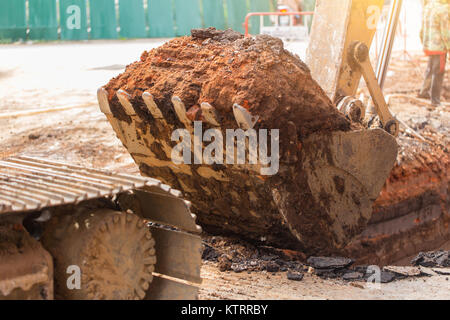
[327, 273]
[329, 262]
[268, 257]
[387, 277]
[295, 276]
[238, 268]
[362, 269]
[253, 263]
[33, 136]
[272, 267]
[280, 262]
[432, 259]
[403, 271]
[224, 263]
[209, 253]
[350, 276]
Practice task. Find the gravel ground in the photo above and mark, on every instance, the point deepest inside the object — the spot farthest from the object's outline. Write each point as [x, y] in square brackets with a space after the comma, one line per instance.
[262, 286]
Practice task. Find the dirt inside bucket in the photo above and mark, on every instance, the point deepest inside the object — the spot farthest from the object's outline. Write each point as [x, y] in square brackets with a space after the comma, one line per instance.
[223, 68]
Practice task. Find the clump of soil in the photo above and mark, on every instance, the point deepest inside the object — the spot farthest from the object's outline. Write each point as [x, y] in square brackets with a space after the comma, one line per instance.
[223, 68]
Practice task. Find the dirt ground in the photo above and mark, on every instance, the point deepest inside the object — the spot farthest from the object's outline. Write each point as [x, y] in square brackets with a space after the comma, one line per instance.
[54, 75]
[265, 286]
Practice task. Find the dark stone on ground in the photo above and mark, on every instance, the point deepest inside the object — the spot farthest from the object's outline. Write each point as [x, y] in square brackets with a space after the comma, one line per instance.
[33, 136]
[272, 267]
[280, 262]
[326, 273]
[329, 262]
[387, 277]
[362, 269]
[268, 258]
[209, 253]
[295, 276]
[432, 259]
[351, 276]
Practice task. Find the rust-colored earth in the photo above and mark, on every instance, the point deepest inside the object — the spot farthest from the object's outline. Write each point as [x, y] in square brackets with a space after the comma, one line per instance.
[223, 68]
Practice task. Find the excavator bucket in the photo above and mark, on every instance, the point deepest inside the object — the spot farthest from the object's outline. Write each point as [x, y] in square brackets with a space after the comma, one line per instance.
[330, 169]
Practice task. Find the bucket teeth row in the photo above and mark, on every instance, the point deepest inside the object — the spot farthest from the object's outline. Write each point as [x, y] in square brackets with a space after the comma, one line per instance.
[210, 115]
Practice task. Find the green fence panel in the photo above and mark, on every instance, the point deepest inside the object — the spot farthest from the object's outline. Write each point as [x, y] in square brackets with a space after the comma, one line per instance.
[309, 5]
[214, 14]
[73, 19]
[13, 21]
[103, 19]
[43, 21]
[161, 20]
[187, 16]
[236, 11]
[275, 5]
[259, 6]
[132, 19]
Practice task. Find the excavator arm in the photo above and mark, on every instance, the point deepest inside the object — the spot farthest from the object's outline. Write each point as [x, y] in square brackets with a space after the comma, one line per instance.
[350, 26]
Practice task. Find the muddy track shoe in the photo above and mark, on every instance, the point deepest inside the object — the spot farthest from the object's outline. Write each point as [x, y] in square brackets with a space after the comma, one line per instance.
[110, 236]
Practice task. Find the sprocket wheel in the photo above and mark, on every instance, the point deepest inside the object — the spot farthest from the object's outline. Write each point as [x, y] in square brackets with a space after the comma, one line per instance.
[113, 250]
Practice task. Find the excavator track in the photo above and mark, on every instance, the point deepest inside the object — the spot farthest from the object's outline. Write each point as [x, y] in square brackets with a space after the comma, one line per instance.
[50, 198]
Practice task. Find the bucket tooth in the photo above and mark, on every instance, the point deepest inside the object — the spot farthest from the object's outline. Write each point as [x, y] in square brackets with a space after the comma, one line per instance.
[124, 99]
[244, 119]
[102, 96]
[180, 111]
[151, 105]
[210, 114]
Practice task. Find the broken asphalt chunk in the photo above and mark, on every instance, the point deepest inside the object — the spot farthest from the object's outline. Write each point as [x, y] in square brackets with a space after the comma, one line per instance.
[432, 259]
[351, 276]
[404, 271]
[329, 262]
